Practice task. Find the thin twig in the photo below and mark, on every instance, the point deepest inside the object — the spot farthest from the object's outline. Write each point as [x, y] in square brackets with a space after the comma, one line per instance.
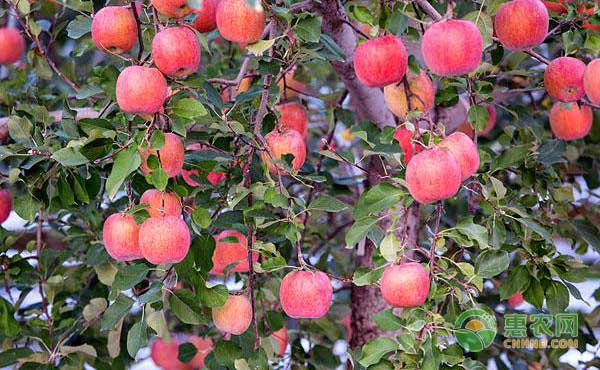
[429, 9]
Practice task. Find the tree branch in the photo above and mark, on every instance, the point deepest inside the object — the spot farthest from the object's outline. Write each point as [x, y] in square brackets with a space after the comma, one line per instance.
[429, 9]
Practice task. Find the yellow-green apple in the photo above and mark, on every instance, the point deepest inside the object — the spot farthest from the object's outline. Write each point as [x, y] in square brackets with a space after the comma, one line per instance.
[420, 90]
[282, 143]
[231, 249]
[5, 204]
[521, 24]
[591, 81]
[164, 239]
[465, 151]
[12, 45]
[434, 174]
[114, 29]
[239, 22]
[162, 203]
[569, 121]
[281, 337]
[120, 234]
[164, 354]
[206, 19]
[563, 79]
[214, 177]
[305, 294]
[381, 61]
[172, 8]
[405, 285]
[204, 346]
[452, 47]
[171, 156]
[290, 87]
[234, 316]
[293, 117]
[141, 90]
[176, 51]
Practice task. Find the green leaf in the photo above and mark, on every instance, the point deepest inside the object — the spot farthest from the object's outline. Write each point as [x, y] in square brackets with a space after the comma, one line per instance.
[329, 204]
[201, 217]
[12, 355]
[185, 305]
[534, 294]
[79, 26]
[473, 231]
[19, 129]
[69, 157]
[186, 352]
[478, 117]
[386, 320]
[127, 161]
[129, 276]
[376, 199]
[8, 324]
[214, 296]
[359, 230]
[366, 276]
[518, 281]
[116, 312]
[26, 206]
[390, 247]
[588, 232]
[491, 263]
[137, 337]
[259, 47]
[189, 108]
[557, 296]
[308, 29]
[515, 155]
[160, 179]
[373, 351]
[537, 228]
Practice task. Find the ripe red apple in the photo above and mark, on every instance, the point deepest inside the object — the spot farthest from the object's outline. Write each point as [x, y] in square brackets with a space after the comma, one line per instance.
[452, 48]
[521, 24]
[563, 79]
[281, 337]
[289, 86]
[164, 354]
[214, 177]
[404, 137]
[405, 285]
[516, 300]
[206, 19]
[120, 235]
[164, 239]
[204, 346]
[381, 61]
[114, 29]
[282, 143]
[305, 294]
[12, 45]
[176, 51]
[465, 151]
[238, 22]
[172, 8]
[231, 248]
[432, 175]
[141, 90]
[234, 316]
[171, 156]
[569, 121]
[162, 203]
[591, 81]
[421, 92]
[5, 204]
[293, 117]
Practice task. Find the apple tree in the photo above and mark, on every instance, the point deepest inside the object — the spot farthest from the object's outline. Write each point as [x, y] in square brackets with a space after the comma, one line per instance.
[245, 184]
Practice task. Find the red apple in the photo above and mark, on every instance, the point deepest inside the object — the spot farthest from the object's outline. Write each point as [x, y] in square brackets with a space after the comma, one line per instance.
[12, 45]
[381, 61]
[452, 47]
[234, 316]
[421, 92]
[172, 8]
[563, 79]
[405, 285]
[206, 20]
[164, 239]
[293, 117]
[238, 22]
[176, 51]
[591, 81]
[404, 137]
[204, 346]
[569, 121]
[162, 203]
[231, 248]
[141, 90]
[282, 143]
[433, 175]
[305, 294]
[120, 235]
[171, 156]
[281, 337]
[516, 300]
[164, 354]
[114, 29]
[465, 151]
[521, 24]
[5, 204]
